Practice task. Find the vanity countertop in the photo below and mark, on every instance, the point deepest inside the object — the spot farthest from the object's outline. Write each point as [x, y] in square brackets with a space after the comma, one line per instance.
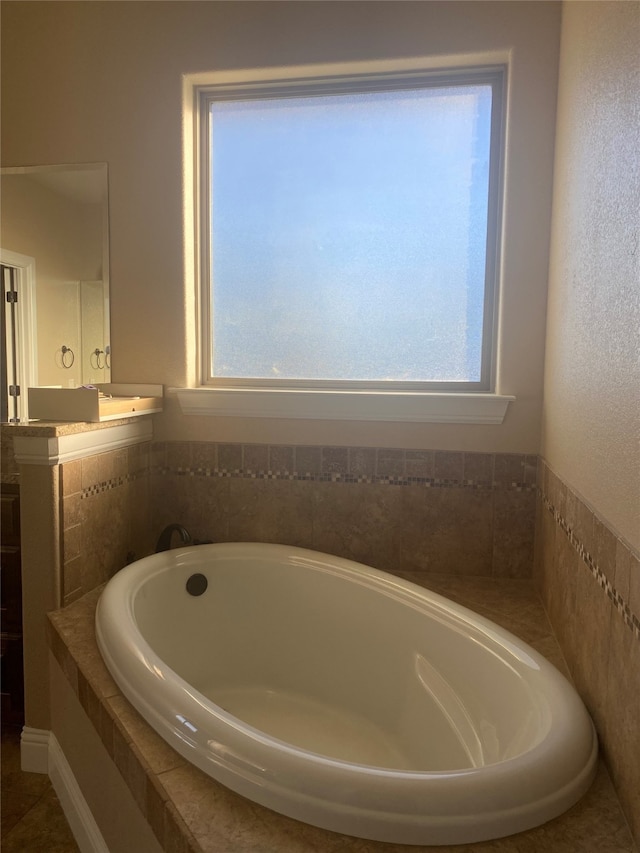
[44, 442]
[55, 429]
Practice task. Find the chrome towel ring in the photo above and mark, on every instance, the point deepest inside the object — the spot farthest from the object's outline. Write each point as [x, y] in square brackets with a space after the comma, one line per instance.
[95, 358]
[68, 357]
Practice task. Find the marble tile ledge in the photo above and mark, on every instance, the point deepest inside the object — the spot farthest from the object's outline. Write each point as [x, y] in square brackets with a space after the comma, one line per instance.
[188, 811]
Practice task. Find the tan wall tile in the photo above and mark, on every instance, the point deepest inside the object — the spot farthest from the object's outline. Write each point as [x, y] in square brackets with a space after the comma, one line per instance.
[590, 649]
[139, 458]
[531, 470]
[429, 526]
[308, 460]
[72, 543]
[256, 458]
[8, 465]
[281, 459]
[623, 569]
[229, 457]
[71, 477]
[604, 549]
[179, 455]
[71, 510]
[509, 469]
[621, 717]
[97, 470]
[356, 521]
[448, 465]
[634, 585]
[362, 463]
[478, 468]
[513, 533]
[390, 462]
[335, 460]
[420, 463]
[72, 577]
[270, 511]
[204, 456]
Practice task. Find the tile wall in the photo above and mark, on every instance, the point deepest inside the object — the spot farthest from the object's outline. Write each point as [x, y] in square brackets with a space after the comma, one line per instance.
[398, 510]
[590, 584]
[9, 471]
[105, 517]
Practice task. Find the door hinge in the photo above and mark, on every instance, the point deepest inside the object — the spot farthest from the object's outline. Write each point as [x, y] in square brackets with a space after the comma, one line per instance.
[14, 390]
[12, 295]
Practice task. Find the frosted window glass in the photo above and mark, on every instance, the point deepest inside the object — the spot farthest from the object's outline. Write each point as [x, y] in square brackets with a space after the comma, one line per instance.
[349, 235]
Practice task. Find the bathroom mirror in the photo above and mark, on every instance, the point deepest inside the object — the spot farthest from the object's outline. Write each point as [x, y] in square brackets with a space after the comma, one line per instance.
[55, 257]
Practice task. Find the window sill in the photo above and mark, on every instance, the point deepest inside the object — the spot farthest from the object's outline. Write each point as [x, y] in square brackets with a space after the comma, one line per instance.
[398, 406]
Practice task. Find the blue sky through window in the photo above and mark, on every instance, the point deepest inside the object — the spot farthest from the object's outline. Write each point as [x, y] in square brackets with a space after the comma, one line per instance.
[349, 235]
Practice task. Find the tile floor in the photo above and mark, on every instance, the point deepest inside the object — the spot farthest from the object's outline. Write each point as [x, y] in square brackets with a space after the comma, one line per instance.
[32, 818]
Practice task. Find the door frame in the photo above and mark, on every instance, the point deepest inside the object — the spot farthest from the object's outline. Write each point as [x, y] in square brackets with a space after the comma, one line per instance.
[26, 324]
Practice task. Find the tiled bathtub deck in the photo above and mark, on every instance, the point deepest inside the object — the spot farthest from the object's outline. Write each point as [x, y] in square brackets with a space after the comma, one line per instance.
[190, 813]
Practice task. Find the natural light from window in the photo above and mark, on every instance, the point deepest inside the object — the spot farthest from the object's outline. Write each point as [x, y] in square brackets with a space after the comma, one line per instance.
[349, 235]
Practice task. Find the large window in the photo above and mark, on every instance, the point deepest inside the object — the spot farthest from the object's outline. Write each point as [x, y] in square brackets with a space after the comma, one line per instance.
[349, 232]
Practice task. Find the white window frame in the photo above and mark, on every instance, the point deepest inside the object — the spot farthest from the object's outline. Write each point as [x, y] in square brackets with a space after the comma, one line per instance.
[350, 400]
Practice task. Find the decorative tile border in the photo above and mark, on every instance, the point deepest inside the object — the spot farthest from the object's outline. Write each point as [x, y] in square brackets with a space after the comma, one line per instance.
[380, 466]
[104, 486]
[630, 619]
[112, 483]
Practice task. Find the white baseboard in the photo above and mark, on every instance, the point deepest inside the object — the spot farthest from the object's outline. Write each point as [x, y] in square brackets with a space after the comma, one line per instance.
[34, 750]
[83, 825]
[40, 752]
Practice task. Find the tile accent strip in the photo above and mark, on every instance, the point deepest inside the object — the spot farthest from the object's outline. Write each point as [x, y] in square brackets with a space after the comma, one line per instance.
[382, 466]
[630, 619]
[112, 483]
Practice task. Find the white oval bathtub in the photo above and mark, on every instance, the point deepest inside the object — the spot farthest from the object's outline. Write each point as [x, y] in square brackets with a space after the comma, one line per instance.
[343, 696]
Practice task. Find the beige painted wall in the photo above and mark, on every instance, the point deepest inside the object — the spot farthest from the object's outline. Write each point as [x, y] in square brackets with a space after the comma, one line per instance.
[591, 434]
[112, 75]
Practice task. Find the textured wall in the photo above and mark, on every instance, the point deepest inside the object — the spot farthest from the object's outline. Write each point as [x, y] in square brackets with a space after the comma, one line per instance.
[589, 480]
[591, 425]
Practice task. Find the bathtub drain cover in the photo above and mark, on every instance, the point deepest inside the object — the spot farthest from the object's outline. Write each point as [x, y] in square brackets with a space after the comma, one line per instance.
[197, 584]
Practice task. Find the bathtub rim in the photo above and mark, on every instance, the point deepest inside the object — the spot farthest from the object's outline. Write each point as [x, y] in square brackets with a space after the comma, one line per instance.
[409, 591]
